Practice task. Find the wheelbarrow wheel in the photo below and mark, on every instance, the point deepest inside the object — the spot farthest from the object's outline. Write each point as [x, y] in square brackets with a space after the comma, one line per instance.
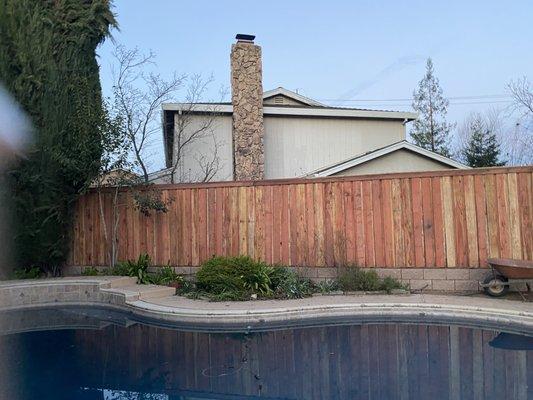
[497, 285]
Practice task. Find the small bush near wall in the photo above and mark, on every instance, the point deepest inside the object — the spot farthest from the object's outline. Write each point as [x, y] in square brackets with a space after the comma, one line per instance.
[139, 269]
[242, 278]
[33, 272]
[354, 279]
[89, 271]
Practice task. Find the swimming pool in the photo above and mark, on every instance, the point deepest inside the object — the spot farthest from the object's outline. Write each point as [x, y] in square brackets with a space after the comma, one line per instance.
[85, 355]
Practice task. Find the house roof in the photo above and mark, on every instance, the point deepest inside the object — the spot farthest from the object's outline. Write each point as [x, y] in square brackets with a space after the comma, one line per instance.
[306, 108]
[327, 112]
[372, 155]
[309, 108]
[280, 91]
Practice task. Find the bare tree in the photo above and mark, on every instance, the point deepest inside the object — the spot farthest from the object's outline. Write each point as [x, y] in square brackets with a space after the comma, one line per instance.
[138, 96]
[522, 93]
[519, 141]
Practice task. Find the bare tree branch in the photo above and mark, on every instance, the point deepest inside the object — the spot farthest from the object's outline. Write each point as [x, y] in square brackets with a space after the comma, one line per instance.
[138, 98]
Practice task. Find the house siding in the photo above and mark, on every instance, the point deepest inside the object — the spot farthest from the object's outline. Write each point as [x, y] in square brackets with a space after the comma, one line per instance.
[398, 161]
[218, 138]
[295, 146]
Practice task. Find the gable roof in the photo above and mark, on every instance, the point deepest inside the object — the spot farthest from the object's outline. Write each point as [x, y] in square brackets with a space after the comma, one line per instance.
[289, 110]
[280, 91]
[372, 155]
[308, 108]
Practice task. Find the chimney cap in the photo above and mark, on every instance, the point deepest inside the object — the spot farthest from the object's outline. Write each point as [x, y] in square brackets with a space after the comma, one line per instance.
[242, 37]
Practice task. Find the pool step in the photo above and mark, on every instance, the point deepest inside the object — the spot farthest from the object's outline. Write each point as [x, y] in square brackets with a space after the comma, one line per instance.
[142, 292]
[122, 281]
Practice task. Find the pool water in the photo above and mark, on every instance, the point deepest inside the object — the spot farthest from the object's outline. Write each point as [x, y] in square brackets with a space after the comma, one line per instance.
[373, 361]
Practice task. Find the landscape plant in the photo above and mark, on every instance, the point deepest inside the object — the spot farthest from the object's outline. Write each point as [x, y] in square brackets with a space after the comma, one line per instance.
[49, 66]
[33, 272]
[354, 279]
[89, 271]
[242, 278]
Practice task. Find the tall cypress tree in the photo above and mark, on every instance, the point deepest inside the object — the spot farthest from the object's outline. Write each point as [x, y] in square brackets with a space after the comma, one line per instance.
[48, 63]
[482, 148]
[430, 130]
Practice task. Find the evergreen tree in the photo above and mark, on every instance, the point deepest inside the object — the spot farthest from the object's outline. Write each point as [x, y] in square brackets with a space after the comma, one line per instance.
[48, 63]
[482, 148]
[430, 130]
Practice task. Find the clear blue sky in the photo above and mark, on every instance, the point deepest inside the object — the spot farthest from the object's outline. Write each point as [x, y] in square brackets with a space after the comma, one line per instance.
[341, 49]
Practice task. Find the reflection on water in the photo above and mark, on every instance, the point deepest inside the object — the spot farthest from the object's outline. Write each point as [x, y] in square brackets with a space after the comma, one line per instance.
[373, 361]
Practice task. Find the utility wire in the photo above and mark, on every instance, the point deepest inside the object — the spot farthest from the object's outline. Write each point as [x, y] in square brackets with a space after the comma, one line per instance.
[451, 103]
[485, 96]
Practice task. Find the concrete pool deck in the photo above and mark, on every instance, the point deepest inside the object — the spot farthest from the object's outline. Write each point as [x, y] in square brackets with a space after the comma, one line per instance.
[159, 305]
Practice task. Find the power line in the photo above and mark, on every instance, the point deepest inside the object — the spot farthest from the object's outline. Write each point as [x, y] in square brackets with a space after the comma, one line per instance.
[482, 96]
[451, 103]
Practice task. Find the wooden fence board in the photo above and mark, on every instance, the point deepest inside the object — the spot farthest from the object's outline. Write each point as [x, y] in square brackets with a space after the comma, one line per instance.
[285, 245]
[388, 230]
[428, 224]
[459, 216]
[407, 223]
[329, 239]
[338, 221]
[448, 220]
[471, 221]
[418, 221]
[444, 219]
[310, 221]
[360, 250]
[492, 217]
[377, 223]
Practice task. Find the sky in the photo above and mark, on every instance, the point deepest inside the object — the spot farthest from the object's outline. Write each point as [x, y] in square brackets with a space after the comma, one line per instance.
[365, 54]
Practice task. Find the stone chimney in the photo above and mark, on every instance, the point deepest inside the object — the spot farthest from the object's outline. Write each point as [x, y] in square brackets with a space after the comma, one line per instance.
[247, 100]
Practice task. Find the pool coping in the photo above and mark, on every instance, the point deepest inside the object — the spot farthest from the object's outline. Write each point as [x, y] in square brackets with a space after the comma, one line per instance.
[153, 305]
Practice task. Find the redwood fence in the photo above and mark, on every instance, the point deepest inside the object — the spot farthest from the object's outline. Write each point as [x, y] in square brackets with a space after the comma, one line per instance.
[455, 218]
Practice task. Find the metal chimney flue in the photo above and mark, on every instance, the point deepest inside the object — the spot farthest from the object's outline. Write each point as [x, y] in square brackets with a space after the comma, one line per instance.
[241, 37]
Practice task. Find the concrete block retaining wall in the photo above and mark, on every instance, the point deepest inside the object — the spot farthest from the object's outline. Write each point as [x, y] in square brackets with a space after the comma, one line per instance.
[39, 292]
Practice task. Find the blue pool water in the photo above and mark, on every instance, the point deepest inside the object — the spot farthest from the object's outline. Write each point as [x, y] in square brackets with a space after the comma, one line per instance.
[81, 357]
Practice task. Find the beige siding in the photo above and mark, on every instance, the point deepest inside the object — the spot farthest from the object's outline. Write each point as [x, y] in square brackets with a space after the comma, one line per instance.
[398, 161]
[296, 146]
[218, 137]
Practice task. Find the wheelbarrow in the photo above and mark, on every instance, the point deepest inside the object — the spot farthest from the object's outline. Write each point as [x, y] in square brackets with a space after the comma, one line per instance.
[506, 272]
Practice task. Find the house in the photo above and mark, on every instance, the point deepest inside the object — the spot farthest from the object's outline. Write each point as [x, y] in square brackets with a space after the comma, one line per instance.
[282, 134]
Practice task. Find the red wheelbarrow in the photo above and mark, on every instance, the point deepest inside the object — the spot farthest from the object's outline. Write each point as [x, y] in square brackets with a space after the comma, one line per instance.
[506, 272]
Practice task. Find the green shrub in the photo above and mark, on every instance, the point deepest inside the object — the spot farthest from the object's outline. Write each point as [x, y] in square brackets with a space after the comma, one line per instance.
[289, 285]
[327, 286]
[165, 276]
[236, 277]
[187, 288]
[138, 269]
[389, 283]
[120, 269]
[355, 279]
[89, 271]
[33, 272]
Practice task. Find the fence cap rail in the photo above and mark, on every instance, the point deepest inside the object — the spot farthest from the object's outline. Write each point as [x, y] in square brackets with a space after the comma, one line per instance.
[353, 178]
